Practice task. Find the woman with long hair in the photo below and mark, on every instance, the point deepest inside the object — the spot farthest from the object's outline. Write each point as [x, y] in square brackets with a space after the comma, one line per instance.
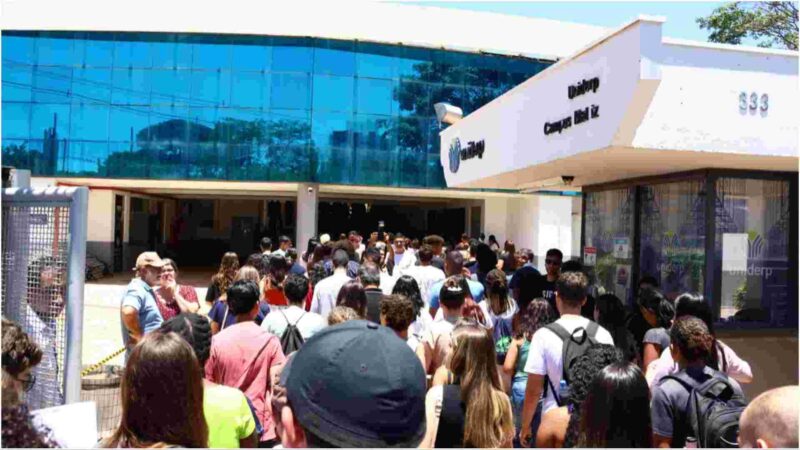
[272, 284]
[658, 312]
[610, 314]
[407, 286]
[223, 278]
[723, 358]
[309, 253]
[353, 295]
[220, 315]
[616, 411]
[497, 304]
[231, 423]
[475, 412]
[162, 396]
[538, 314]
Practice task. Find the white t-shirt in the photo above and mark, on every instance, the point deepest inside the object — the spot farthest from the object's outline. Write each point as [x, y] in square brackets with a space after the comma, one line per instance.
[544, 356]
[425, 276]
[491, 317]
[308, 323]
[326, 291]
[421, 324]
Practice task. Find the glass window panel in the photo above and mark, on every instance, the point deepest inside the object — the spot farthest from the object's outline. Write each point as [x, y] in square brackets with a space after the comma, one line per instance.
[17, 153]
[252, 57]
[375, 96]
[16, 121]
[453, 95]
[335, 58]
[435, 172]
[18, 48]
[414, 98]
[164, 54]
[52, 84]
[210, 88]
[212, 56]
[608, 220]
[183, 51]
[131, 53]
[412, 135]
[250, 89]
[415, 63]
[133, 87]
[374, 134]
[290, 155]
[444, 69]
[89, 122]
[171, 86]
[128, 123]
[204, 150]
[333, 93]
[87, 158]
[752, 247]
[332, 130]
[17, 81]
[672, 240]
[290, 91]
[95, 52]
[166, 141]
[376, 61]
[91, 85]
[292, 58]
[49, 118]
[54, 52]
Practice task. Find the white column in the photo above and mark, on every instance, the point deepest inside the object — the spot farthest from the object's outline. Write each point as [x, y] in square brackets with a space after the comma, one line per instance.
[495, 218]
[554, 226]
[306, 214]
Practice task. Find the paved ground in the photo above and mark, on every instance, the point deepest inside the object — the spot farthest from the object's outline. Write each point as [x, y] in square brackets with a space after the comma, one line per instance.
[102, 334]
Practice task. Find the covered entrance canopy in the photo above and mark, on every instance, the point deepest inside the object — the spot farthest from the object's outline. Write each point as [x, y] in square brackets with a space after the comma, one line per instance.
[632, 104]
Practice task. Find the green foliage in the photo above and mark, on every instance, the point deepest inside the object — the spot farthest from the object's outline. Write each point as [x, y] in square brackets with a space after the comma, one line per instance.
[773, 24]
[740, 296]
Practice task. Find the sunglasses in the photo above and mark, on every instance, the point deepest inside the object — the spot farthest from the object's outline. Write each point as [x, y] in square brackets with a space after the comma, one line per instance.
[552, 262]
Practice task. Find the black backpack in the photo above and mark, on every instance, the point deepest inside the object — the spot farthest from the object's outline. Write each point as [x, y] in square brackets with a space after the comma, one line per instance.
[713, 410]
[574, 345]
[291, 339]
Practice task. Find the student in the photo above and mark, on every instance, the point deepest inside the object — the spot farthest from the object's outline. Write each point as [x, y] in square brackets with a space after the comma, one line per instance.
[221, 316]
[691, 344]
[545, 356]
[174, 298]
[230, 421]
[156, 413]
[723, 358]
[307, 323]
[658, 312]
[538, 314]
[453, 266]
[243, 354]
[352, 295]
[610, 314]
[425, 274]
[770, 421]
[20, 356]
[573, 265]
[326, 291]
[407, 287]
[560, 426]
[635, 322]
[225, 275]
[616, 411]
[497, 306]
[547, 284]
[475, 412]
[272, 284]
[354, 385]
[397, 313]
[436, 341]
[341, 314]
[369, 275]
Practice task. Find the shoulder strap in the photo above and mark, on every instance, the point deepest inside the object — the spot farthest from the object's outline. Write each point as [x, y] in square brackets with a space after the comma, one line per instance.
[559, 331]
[553, 389]
[250, 364]
[592, 328]
[225, 317]
[298, 319]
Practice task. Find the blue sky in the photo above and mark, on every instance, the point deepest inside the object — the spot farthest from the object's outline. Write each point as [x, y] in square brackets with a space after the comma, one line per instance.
[680, 15]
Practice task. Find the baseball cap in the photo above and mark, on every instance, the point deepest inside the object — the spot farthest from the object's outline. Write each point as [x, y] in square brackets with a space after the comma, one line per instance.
[149, 259]
[324, 238]
[357, 384]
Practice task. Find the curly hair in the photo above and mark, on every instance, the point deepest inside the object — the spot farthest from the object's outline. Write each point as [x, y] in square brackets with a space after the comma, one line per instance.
[397, 311]
[20, 352]
[19, 432]
[692, 338]
[195, 330]
[538, 314]
[582, 374]
[342, 314]
[227, 271]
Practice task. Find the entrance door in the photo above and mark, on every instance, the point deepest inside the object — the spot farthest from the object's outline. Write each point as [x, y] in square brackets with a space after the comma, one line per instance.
[119, 229]
[242, 235]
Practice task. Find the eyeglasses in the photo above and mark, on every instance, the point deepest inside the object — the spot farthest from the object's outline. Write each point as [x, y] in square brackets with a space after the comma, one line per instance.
[552, 262]
[27, 384]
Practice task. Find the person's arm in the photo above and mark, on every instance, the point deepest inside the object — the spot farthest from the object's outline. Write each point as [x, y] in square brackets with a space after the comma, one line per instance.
[440, 376]
[433, 408]
[651, 353]
[130, 318]
[533, 391]
[315, 306]
[510, 364]
[212, 293]
[663, 418]
[545, 435]
[736, 367]
[184, 304]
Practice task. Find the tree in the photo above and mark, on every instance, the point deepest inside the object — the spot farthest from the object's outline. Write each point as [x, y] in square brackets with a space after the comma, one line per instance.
[773, 24]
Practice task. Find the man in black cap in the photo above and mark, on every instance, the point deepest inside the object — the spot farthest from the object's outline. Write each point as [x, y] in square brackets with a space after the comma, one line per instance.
[353, 385]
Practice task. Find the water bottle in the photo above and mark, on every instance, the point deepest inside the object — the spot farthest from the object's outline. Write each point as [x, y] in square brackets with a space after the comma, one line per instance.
[563, 392]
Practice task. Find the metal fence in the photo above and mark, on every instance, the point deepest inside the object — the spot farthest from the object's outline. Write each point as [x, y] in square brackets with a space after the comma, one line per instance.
[43, 261]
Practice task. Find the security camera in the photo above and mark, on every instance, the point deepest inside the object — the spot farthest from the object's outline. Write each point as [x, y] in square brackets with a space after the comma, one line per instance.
[567, 179]
[310, 189]
[447, 113]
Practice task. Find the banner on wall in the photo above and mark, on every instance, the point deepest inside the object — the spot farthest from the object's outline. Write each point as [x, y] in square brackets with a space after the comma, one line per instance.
[589, 256]
[622, 248]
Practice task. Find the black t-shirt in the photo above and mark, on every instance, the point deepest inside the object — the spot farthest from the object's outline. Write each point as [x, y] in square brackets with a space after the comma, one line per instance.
[638, 326]
[547, 290]
[472, 266]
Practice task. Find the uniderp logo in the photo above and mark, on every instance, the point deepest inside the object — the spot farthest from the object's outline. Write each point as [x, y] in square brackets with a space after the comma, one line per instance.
[455, 155]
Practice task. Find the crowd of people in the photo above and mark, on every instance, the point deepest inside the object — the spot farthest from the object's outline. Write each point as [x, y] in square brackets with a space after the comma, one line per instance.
[399, 342]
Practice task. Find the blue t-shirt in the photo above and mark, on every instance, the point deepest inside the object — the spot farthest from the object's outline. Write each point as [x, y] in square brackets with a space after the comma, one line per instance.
[217, 314]
[474, 287]
[140, 296]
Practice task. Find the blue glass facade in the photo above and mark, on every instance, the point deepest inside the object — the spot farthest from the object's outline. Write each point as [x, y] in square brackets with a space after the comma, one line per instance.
[187, 106]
